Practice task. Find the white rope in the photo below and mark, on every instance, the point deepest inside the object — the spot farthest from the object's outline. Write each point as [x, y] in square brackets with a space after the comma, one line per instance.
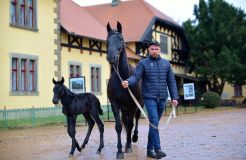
[173, 113]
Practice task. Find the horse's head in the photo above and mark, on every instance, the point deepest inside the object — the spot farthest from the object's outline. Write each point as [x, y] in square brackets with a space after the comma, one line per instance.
[115, 43]
[58, 90]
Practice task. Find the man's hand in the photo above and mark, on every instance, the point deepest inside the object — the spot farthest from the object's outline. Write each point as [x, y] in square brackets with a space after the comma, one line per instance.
[174, 102]
[125, 84]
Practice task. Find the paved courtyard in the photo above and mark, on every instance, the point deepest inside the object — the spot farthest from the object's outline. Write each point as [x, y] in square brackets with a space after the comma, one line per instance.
[208, 135]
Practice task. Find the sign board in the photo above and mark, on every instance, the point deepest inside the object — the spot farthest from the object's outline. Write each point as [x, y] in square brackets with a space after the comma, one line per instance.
[189, 91]
[77, 84]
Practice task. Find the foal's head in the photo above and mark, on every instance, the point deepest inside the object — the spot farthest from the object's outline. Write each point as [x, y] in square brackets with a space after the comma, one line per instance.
[115, 43]
[58, 90]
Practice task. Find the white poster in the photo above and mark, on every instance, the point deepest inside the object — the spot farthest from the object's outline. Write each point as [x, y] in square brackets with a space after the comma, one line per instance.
[77, 84]
[189, 91]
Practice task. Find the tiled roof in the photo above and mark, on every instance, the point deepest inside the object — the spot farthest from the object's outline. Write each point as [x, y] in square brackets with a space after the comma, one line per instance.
[135, 17]
[77, 20]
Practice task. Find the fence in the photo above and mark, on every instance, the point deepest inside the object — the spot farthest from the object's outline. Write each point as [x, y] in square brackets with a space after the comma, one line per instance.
[31, 117]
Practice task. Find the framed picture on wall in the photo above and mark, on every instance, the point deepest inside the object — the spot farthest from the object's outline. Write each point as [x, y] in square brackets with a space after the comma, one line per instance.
[77, 84]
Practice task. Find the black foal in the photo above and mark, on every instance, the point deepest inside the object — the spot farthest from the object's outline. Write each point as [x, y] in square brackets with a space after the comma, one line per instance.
[75, 104]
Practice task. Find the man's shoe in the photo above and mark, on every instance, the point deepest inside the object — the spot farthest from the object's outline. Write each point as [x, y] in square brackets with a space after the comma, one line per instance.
[151, 154]
[160, 154]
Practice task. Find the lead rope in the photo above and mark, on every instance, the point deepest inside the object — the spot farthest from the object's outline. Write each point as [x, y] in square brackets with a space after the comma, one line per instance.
[141, 109]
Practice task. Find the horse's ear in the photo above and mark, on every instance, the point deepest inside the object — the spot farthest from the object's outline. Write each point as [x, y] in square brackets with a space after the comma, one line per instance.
[62, 80]
[119, 27]
[109, 28]
[54, 81]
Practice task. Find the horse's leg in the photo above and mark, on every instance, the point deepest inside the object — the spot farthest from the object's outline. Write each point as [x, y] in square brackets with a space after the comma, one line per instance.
[100, 125]
[127, 119]
[135, 135]
[71, 123]
[118, 128]
[91, 123]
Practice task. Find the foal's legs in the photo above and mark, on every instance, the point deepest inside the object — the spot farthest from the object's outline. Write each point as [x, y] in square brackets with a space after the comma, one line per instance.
[118, 128]
[100, 125]
[91, 123]
[135, 135]
[71, 123]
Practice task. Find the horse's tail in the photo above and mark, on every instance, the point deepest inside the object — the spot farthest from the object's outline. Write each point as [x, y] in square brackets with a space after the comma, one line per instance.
[99, 108]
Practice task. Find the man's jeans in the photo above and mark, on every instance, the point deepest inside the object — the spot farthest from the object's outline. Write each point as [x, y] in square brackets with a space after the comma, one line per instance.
[155, 110]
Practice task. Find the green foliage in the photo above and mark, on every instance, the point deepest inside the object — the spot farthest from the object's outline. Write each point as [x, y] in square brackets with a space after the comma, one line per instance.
[211, 99]
[217, 38]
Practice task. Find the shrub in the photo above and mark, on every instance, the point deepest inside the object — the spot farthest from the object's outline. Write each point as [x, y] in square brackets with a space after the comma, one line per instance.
[211, 99]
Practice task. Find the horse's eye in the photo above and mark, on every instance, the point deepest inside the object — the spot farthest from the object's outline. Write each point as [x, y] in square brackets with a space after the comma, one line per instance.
[119, 48]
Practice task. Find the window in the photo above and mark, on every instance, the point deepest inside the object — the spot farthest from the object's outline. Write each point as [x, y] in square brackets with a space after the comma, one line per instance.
[237, 90]
[14, 74]
[31, 75]
[23, 13]
[164, 44]
[13, 10]
[95, 79]
[30, 13]
[75, 70]
[24, 75]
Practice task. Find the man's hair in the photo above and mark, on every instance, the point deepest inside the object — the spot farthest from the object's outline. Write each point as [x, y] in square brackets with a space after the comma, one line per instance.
[153, 43]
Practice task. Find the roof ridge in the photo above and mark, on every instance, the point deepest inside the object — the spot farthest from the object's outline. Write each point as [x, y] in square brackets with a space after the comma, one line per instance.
[144, 3]
[147, 5]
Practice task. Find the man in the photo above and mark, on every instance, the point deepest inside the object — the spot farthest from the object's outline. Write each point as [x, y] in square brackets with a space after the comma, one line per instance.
[156, 74]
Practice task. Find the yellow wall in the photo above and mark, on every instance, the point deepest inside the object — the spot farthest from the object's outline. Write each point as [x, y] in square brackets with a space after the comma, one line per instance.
[228, 93]
[177, 69]
[156, 36]
[132, 46]
[86, 60]
[39, 43]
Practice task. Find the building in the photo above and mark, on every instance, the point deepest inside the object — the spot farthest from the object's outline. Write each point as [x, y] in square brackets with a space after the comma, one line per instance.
[51, 38]
[84, 36]
[29, 36]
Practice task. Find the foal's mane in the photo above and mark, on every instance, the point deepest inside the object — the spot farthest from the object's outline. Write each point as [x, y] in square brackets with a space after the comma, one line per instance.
[67, 91]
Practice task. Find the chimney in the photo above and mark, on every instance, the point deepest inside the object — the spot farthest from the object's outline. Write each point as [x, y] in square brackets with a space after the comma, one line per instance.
[115, 2]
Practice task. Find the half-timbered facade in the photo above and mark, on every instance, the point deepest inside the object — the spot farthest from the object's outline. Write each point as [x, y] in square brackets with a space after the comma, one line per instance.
[85, 38]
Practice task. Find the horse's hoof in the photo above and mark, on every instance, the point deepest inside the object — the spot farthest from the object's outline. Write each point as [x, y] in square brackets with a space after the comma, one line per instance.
[134, 138]
[120, 155]
[82, 148]
[70, 155]
[79, 149]
[128, 150]
[98, 152]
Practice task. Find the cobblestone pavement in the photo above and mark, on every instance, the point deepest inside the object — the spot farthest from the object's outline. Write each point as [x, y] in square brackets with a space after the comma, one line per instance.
[209, 135]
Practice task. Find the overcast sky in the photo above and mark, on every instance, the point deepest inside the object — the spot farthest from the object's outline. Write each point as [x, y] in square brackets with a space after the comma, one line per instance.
[179, 10]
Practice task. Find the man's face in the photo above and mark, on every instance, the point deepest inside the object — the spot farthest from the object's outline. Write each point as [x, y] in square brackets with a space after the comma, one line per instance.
[154, 50]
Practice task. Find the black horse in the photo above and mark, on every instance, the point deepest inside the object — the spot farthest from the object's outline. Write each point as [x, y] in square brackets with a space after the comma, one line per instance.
[119, 97]
[75, 104]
